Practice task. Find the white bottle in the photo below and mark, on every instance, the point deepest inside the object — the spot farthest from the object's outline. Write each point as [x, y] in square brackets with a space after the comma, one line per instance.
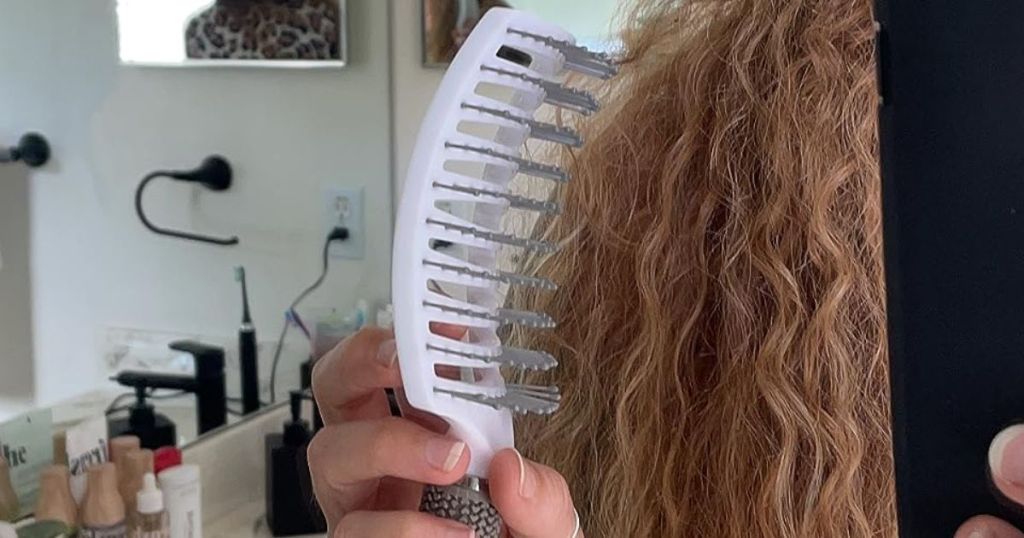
[182, 497]
[150, 519]
[386, 316]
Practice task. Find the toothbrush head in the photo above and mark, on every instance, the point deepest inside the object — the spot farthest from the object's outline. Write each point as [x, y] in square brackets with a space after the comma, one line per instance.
[240, 277]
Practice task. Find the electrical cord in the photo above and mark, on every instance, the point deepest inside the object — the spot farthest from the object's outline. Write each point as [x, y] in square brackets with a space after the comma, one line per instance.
[337, 234]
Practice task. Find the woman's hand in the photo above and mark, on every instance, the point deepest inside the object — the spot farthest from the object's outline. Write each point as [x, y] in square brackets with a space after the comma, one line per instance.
[368, 468]
[1006, 464]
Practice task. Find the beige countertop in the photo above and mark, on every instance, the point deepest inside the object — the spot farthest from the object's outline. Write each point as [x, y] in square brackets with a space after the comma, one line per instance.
[246, 521]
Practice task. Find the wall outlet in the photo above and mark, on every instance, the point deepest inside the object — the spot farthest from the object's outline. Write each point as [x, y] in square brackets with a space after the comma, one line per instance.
[344, 207]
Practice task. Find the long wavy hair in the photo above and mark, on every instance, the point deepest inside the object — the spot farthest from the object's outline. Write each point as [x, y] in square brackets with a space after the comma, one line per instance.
[722, 324]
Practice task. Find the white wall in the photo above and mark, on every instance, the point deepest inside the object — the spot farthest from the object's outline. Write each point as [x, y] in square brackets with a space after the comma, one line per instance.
[591, 21]
[413, 84]
[287, 133]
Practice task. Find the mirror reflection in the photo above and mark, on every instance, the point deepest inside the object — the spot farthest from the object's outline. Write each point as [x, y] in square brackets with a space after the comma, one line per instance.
[447, 23]
[672, 249]
[233, 32]
[179, 247]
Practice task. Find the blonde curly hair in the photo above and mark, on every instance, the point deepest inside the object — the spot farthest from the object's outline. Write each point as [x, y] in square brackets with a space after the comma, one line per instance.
[722, 337]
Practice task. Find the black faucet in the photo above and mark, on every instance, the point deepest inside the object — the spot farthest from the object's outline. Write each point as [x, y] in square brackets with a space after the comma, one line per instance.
[208, 384]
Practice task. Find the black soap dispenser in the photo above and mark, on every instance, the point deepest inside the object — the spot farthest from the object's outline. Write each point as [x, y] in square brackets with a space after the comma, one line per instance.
[153, 429]
[291, 505]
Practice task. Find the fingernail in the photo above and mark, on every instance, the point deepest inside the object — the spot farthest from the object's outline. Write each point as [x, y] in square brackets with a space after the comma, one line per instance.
[444, 453]
[978, 534]
[458, 530]
[387, 353]
[1006, 455]
[527, 478]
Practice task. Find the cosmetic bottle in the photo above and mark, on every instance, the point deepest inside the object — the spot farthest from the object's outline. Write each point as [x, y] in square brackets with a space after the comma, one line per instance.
[182, 497]
[87, 445]
[134, 466]
[165, 458]
[55, 502]
[150, 519]
[60, 448]
[362, 313]
[103, 514]
[120, 446]
[9, 507]
[386, 316]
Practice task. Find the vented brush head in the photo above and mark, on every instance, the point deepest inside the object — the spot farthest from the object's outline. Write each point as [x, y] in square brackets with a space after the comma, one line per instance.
[469, 148]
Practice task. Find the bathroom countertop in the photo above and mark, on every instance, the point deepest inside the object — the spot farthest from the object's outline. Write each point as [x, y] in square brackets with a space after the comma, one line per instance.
[181, 410]
[246, 521]
[232, 466]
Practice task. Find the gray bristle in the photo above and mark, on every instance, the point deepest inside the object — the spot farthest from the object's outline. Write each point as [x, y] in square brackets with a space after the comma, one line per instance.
[523, 166]
[518, 202]
[501, 316]
[495, 237]
[523, 359]
[577, 58]
[517, 398]
[538, 129]
[555, 94]
[495, 276]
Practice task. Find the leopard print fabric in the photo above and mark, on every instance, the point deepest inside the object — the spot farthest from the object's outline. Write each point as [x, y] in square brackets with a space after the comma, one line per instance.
[265, 30]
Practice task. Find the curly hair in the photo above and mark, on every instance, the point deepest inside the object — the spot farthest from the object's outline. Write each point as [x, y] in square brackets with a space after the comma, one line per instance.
[722, 338]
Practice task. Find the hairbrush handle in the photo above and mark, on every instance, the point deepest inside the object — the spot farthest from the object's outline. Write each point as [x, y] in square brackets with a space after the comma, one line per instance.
[466, 502]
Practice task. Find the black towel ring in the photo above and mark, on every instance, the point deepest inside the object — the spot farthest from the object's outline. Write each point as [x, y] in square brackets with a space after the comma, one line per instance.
[214, 173]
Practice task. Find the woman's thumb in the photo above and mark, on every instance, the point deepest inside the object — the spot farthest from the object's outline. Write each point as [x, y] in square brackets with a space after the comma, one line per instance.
[533, 499]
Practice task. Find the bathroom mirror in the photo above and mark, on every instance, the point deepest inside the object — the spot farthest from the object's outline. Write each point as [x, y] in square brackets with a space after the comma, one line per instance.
[446, 23]
[89, 293]
[242, 33]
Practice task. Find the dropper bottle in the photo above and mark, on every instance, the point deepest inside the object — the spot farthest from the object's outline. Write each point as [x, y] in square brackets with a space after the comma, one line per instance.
[150, 519]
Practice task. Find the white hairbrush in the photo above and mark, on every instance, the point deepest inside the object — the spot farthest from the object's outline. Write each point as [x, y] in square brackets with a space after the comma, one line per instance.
[447, 238]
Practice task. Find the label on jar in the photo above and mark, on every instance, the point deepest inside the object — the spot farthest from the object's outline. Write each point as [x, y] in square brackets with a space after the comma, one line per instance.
[113, 531]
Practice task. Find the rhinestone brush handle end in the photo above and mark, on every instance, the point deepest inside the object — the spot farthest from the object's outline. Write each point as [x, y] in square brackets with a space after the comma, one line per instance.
[466, 502]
